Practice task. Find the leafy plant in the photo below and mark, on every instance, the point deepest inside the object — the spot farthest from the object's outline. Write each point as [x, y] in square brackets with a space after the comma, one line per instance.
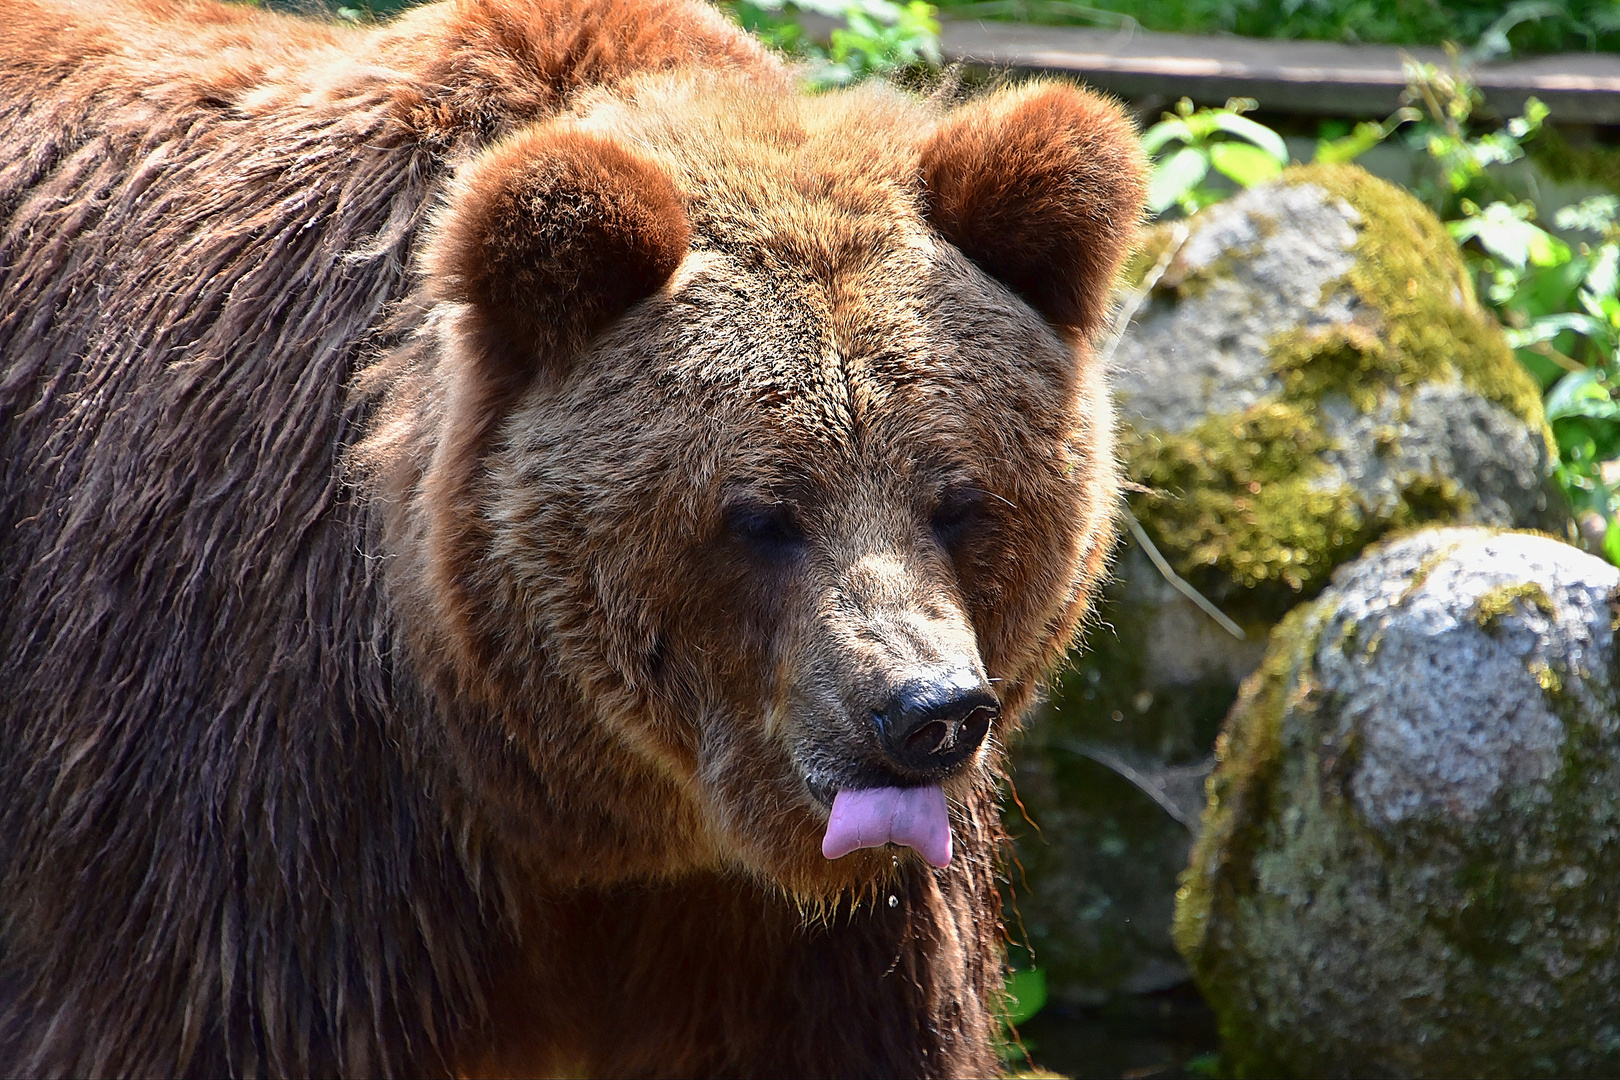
[1224, 140]
[1508, 232]
[1463, 151]
[1564, 319]
[1365, 136]
[1559, 304]
[876, 36]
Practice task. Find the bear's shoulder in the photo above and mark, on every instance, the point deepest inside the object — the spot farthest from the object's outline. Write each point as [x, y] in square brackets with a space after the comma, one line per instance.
[446, 71]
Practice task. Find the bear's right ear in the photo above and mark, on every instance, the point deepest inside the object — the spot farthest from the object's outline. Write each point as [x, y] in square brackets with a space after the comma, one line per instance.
[548, 237]
[1043, 187]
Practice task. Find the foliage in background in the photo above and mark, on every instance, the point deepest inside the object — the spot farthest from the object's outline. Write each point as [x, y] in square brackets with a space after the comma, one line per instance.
[1524, 26]
[880, 34]
[868, 37]
[1558, 302]
[1225, 140]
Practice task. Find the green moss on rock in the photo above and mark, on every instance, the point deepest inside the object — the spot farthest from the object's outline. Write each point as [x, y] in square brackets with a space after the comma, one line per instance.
[1496, 605]
[1154, 243]
[1366, 903]
[1240, 495]
[1246, 757]
[1410, 273]
[1247, 499]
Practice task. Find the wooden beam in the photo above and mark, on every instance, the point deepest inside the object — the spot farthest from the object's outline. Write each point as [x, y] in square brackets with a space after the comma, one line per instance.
[1310, 77]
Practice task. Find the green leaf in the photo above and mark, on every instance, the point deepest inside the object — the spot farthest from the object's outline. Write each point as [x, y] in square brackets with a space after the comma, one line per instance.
[1535, 111]
[1546, 249]
[1506, 232]
[1596, 213]
[1493, 43]
[1581, 393]
[1349, 147]
[1258, 134]
[1604, 276]
[1175, 176]
[1605, 309]
[1173, 129]
[1026, 994]
[1245, 164]
[1549, 327]
[1611, 542]
[1551, 290]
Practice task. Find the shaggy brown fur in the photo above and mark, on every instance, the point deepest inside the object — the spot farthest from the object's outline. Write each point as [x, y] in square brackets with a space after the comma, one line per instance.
[463, 718]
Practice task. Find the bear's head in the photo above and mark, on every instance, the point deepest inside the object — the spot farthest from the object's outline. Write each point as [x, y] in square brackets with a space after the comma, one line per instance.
[751, 465]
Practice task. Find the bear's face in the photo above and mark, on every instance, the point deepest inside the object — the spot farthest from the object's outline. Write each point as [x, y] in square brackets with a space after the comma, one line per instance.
[742, 447]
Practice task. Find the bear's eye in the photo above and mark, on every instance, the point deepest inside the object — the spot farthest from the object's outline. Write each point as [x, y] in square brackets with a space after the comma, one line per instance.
[769, 528]
[958, 512]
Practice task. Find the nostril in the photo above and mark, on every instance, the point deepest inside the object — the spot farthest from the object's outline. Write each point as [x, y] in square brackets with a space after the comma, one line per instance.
[976, 726]
[932, 726]
[929, 738]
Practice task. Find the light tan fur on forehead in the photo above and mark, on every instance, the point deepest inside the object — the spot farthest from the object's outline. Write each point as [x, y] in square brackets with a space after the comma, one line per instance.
[815, 178]
[1039, 185]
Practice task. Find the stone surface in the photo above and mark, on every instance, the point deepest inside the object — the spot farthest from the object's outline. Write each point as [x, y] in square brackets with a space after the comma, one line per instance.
[1311, 372]
[1262, 263]
[1411, 861]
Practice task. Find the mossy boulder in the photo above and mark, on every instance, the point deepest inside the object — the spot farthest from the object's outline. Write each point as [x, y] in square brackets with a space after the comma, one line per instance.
[1410, 861]
[1313, 370]
[1310, 372]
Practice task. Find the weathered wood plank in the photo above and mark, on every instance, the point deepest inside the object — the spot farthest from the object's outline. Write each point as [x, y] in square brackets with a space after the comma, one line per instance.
[1313, 77]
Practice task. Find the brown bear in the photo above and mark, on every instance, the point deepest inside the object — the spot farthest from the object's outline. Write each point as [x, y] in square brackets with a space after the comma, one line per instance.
[522, 538]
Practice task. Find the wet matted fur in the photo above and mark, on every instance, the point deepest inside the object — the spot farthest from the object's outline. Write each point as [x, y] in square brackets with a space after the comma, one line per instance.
[385, 692]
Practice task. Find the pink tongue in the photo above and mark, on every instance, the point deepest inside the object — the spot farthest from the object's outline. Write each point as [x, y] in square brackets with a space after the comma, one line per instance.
[914, 817]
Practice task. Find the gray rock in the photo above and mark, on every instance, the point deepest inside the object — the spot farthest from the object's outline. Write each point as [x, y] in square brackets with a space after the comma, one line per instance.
[1310, 372]
[1442, 435]
[1411, 860]
[1269, 260]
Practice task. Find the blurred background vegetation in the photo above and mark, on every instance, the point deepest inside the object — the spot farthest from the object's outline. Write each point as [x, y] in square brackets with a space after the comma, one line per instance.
[1535, 26]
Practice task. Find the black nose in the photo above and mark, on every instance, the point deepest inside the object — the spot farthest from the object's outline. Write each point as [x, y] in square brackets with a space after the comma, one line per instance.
[931, 726]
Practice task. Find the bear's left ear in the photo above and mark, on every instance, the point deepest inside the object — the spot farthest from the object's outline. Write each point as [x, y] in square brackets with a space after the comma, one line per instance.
[551, 235]
[548, 237]
[1043, 187]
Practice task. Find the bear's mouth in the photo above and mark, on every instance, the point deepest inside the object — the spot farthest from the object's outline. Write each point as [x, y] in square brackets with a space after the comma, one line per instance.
[822, 791]
[866, 815]
[824, 784]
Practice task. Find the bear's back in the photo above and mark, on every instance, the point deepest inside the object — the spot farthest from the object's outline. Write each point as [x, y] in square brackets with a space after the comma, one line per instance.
[208, 218]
